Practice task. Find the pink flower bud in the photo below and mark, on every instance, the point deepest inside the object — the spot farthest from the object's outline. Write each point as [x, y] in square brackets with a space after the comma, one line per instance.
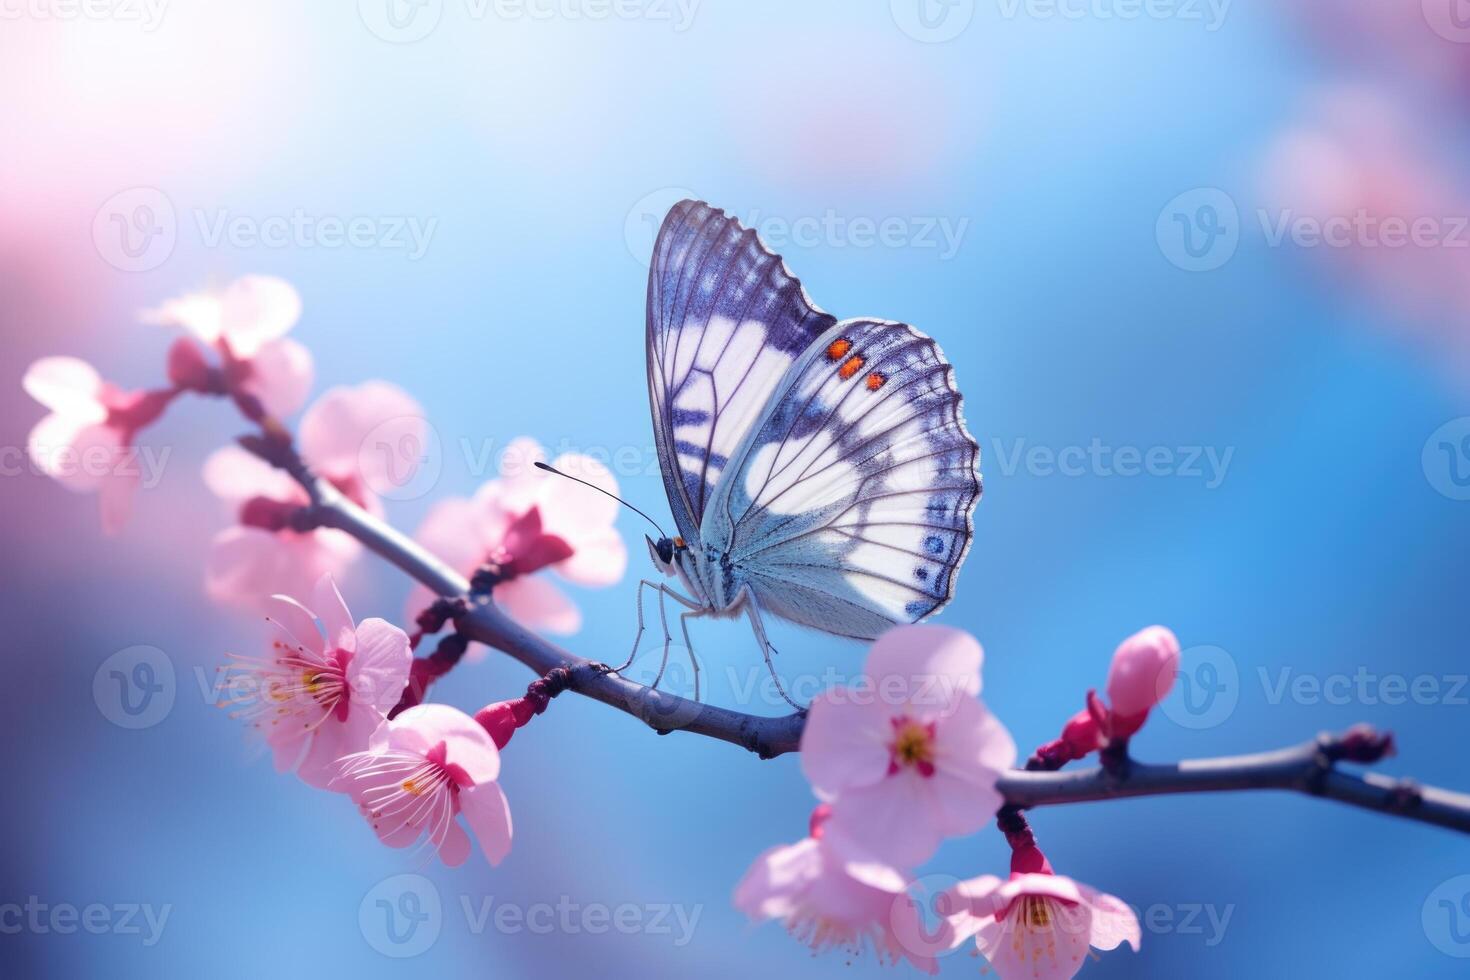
[187, 367]
[499, 720]
[1081, 735]
[1143, 671]
[820, 814]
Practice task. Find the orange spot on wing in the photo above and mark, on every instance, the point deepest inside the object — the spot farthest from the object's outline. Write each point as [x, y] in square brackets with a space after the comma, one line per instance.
[838, 348]
[876, 381]
[851, 366]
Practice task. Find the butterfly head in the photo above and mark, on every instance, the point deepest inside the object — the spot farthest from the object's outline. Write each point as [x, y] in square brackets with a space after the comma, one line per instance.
[662, 552]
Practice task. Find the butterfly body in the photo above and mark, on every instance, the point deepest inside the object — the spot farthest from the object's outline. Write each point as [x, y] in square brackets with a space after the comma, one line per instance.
[818, 470]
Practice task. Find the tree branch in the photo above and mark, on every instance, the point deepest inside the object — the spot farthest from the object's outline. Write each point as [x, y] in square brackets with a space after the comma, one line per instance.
[1310, 768]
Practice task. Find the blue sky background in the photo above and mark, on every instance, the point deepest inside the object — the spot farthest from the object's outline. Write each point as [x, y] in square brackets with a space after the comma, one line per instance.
[541, 150]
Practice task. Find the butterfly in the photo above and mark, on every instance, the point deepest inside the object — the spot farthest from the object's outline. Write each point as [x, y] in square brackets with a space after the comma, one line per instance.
[818, 470]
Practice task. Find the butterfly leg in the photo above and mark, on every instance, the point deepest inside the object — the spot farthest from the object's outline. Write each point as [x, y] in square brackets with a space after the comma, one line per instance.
[663, 618]
[638, 638]
[684, 618]
[753, 611]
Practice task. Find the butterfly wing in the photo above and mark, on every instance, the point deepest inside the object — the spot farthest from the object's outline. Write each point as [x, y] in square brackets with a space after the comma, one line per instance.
[726, 321]
[849, 508]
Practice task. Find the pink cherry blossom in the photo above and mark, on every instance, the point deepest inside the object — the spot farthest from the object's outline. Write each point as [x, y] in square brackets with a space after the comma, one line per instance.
[912, 758]
[246, 322]
[86, 443]
[527, 520]
[1037, 926]
[810, 890]
[1142, 673]
[1372, 175]
[432, 764]
[264, 554]
[318, 698]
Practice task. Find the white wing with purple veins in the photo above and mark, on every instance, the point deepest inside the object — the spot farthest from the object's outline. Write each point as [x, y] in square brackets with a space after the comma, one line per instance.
[849, 508]
[726, 320]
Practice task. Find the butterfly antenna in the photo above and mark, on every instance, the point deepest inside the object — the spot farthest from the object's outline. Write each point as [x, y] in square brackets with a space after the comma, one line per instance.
[552, 469]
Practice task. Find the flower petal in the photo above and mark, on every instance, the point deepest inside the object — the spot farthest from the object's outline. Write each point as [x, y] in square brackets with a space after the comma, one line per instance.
[67, 385]
[931, 667]
[54, 447]
[332, 740]
[598, 558]
[844, 743]
[455, 847]
[468, 746]
[891, 822]
[369, 431]
[771, 886]
[257, 309]
[280, 376]
[295, 622]
[534, 602]
[235, 475]
[378, 672]
[488, 813]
